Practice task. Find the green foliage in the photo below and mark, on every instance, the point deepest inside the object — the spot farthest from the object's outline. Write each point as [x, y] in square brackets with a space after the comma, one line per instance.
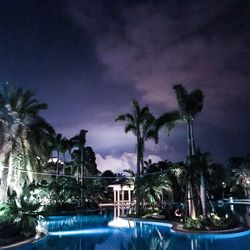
[20, 215]
[239, 176]
[193, 224]
[5, 212]
[191, 103]
[24, 137]
[213, 221]
[60, 194]
[26, 224]
[152, 188]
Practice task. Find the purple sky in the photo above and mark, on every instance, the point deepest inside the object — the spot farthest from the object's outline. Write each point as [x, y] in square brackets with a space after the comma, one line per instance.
[89, 59]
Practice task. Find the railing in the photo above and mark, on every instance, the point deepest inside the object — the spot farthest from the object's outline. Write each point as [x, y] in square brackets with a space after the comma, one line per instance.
[236, 201]
[125, 204]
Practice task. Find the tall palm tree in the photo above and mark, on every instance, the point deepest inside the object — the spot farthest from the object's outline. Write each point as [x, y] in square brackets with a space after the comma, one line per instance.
[190, 104]
[24, 137]
[78, 155]
[142, 124]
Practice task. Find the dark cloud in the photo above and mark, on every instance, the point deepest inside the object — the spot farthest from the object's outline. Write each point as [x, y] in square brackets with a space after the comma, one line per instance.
[202, 44]
[88, 59]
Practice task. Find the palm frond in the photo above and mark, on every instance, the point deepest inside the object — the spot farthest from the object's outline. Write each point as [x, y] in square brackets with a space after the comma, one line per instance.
[169, 120]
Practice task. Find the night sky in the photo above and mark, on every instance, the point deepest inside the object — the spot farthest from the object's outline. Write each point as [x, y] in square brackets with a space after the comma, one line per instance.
[87, 59]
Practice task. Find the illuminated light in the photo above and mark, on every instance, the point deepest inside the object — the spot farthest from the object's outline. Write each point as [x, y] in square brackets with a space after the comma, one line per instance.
[121, 223]
[163, 224]
[228, 235]
[83, 232]
[55, 160]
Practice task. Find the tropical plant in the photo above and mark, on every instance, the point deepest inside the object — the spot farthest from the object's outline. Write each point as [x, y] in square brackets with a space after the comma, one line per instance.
[240, 175]
[60, 194]
[21, 215]
[203, 167]
[57, 139]
[152, 188]
[25, 144]
[190, 104]
[79, 141]
[142, 124]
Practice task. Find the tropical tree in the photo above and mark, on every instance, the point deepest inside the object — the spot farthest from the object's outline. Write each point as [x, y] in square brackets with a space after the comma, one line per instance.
[240, 175]
[153, 187]
[168, 121]
[203, 167]
[57, 146]
[79, 141]
[24, 138]
[190, 104]
[142, 124]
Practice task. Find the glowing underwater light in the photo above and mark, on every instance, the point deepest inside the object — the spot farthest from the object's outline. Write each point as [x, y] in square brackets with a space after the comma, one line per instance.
[228, 235]
[82, 232]
[121, 223]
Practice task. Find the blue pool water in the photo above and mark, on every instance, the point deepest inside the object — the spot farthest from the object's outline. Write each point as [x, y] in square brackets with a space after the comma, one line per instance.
[97, 233]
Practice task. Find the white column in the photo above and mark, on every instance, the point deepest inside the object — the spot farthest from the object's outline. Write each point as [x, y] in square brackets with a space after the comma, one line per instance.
[118, 201]
[129, 197]
[122, 202]
[114, 196]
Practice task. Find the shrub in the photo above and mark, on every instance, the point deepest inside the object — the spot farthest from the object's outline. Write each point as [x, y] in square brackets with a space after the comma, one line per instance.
[193, 224]
[214, 221]
[19, 216]
[5, 212]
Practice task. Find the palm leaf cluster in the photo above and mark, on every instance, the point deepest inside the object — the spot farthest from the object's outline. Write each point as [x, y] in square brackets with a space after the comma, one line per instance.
[25, 137]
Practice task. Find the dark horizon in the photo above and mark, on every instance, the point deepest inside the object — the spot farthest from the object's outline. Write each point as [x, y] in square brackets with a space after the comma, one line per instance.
[88, 59]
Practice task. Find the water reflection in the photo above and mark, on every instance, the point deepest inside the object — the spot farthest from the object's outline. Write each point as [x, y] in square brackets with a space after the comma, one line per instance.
[95, 234]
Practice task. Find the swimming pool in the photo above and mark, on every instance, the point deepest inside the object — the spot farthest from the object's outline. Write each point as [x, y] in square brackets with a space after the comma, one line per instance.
[100, 232]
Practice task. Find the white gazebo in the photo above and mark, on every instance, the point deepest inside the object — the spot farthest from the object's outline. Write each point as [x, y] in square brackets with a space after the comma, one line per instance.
[122, 198]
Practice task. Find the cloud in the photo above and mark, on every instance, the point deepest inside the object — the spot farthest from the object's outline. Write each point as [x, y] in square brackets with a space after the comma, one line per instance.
[150, 47]
[103, 136]
[118, 164]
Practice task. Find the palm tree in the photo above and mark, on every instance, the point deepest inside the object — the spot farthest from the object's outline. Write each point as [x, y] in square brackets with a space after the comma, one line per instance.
[202, 166]
[142, 124]
[152, 188]
[240, 172]
[190, 104]
[168, 120]
[24, 138]
[57, 145]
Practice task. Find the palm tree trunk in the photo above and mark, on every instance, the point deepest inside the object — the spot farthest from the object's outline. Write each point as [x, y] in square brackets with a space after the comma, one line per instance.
[191, 150]
[6, 152]
[82, 175]
[203, 195]
[137, 179]
[192, 136]
[64, 163]
[4, 185]
[57, 163]
[190, 197]
[191, 143]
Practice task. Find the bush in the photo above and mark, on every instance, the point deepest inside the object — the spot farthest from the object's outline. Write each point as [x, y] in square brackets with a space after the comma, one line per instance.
[193, 224]
[214, 221]
[20, 218]
[5, 212]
